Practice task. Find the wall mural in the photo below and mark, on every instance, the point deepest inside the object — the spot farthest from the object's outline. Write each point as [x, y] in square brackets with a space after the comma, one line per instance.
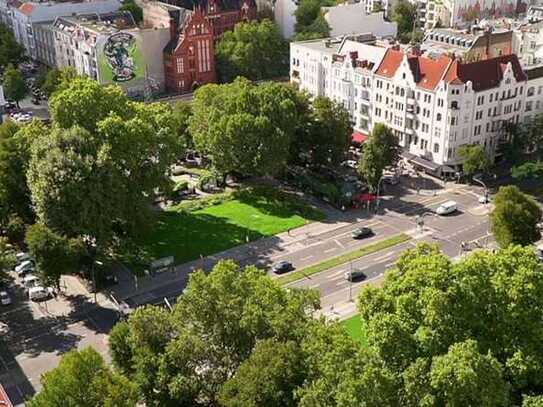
[120, 60]
[489, 9]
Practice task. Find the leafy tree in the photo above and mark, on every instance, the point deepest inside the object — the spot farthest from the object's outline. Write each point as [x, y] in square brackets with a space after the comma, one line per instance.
[379, 151]
[82, 379]
[268, 377]
[310, 21]
[459, 333]
[184, 358]
[515, 217]
[134, 9]
[328, 134]
[11, 52]
[14, 157]
[14, 85]
[532, 401]
[57, 79]
[55, 255]
[98, 178]
[530, 169]
[120, 348]
[404, 14]
[474, 159]
[255, 50]
[182, 111]
[244, 128]
[7, 258]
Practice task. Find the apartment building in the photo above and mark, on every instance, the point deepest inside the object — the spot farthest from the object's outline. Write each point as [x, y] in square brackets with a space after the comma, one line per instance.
[24, 16]
[433, 104]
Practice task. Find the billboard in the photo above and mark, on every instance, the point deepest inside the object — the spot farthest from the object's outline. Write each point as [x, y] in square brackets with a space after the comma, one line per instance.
[120, 60]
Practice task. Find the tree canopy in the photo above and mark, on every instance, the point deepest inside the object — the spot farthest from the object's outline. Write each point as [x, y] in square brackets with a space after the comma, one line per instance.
[255, 50]
[185, 357]
[134, 9]
[14, 85]
[379, 151]
[56, 79]
[404, 14]
[310, 21]
[96, 171]
[474, 159]
[11, 52]
[245, 128]
[82, 379]
[515, 217]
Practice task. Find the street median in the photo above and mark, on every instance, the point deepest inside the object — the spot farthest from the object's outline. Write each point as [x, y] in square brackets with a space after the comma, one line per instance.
[344, 258]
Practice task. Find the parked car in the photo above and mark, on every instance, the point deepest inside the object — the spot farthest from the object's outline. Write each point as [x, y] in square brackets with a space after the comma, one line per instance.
[391, 179]
[447, 208]
[39, 293]
[354, 275]
[282, 267]
[5, 299]
[22, 256]
[361, 233]
[26, 266]
[30, 281]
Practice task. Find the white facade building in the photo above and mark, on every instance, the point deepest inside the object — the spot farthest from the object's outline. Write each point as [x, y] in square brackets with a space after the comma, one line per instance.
[349, 18]
[434, 105]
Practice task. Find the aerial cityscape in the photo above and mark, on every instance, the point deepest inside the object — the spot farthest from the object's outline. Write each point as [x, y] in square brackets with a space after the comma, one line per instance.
[256, 203]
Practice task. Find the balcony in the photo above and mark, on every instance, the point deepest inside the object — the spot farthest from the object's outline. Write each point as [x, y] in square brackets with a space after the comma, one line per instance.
[411, 101]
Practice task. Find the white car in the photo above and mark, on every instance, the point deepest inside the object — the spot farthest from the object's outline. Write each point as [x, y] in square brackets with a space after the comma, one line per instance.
[25, 267]
[31, 281]
[22, 256]
[447, 208]
[39, 293]
[5, 299]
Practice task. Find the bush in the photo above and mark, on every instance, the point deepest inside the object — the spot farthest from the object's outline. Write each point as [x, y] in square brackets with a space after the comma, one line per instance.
[181, 186]
[15, 229]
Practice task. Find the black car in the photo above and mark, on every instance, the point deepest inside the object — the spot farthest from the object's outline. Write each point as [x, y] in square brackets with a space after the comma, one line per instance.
[361, 233]
[282, 267]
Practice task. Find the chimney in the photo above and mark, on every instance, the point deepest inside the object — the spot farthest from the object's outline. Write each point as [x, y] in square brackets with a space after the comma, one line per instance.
[173, 28]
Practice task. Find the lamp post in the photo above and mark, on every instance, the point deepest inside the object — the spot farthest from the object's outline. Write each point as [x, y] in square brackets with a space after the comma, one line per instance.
[90, 241]
[350, 281]
[485, 188]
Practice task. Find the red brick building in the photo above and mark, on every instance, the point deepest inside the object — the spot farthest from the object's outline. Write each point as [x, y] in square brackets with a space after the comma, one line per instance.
[189, 57]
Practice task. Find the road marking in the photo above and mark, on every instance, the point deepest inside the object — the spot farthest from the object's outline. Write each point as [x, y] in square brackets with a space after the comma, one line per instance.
[390, 265]
[306, 258]
[339, 243]
[330, 250]
[312, 287]
[335, 274]
[385, 256]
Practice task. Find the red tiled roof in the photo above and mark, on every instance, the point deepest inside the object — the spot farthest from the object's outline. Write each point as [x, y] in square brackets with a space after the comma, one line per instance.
[426, 71]
[358, 137]
[484, 74]
[391, 61]
[4, 399]
[26, 8]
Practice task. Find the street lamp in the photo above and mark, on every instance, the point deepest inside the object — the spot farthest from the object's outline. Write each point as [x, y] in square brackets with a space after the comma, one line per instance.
[90, 241]
[485, 188]
[350, 281]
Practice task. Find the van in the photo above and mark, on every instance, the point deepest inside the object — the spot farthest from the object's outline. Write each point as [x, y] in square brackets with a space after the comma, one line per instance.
[447, 208]
[30, 281]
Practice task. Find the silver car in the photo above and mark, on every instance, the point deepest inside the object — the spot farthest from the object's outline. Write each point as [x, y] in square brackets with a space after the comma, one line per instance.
[5, 299]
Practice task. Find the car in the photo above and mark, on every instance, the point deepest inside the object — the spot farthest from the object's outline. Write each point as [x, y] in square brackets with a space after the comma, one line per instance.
[354, 275]
[391, 179]
[361, 233]
[447, 208]
[282, 267]
[25, 267]
[30, 281]
[5, 299]
[22, 256]
[39, 293]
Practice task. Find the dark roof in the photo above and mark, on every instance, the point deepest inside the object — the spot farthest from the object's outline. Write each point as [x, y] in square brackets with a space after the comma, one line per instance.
[534, 73]
[484, 74]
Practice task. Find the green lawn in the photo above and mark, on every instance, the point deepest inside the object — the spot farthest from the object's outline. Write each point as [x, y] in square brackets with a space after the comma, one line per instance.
[355, 329]
[238, 218]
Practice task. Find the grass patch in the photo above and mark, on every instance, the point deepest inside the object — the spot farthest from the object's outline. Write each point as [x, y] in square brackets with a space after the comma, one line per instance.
[344, 258]
[356, 329]
[219, 222]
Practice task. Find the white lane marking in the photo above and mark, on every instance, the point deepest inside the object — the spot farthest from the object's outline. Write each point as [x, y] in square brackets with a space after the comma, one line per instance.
[312, 287]
[384, 256]
[335, 274]
[339, 243]
[306, 258]
[390, 265]
[330, 250]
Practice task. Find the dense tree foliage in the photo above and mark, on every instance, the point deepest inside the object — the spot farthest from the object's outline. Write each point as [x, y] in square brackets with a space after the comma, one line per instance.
[96, 171]
[7, 258]
[134, 9]
[245, 128]
[379, 151]
[404, 14]
[11, 52]
[515, 217]
[310, 21]
[16, 206]
[185, 357]
[57, 79]
[255, 50]
[14, 85]
[474, 159]
[55, 254]
[82, 379]
[460, 333]
[328, 134]
[530, 169]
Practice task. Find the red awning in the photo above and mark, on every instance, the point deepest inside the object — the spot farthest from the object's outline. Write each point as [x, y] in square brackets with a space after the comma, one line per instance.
[358, 137]
[367, 197]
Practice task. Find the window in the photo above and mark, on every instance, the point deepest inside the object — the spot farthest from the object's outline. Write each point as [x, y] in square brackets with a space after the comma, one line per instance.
[436, 148]
[438, 117]
[479, 115]
[180, 67]
[480, 100]
[491, 97]
[377, 112]
[440, 102]
[488, 127]
[477, 130]
[531, 91]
